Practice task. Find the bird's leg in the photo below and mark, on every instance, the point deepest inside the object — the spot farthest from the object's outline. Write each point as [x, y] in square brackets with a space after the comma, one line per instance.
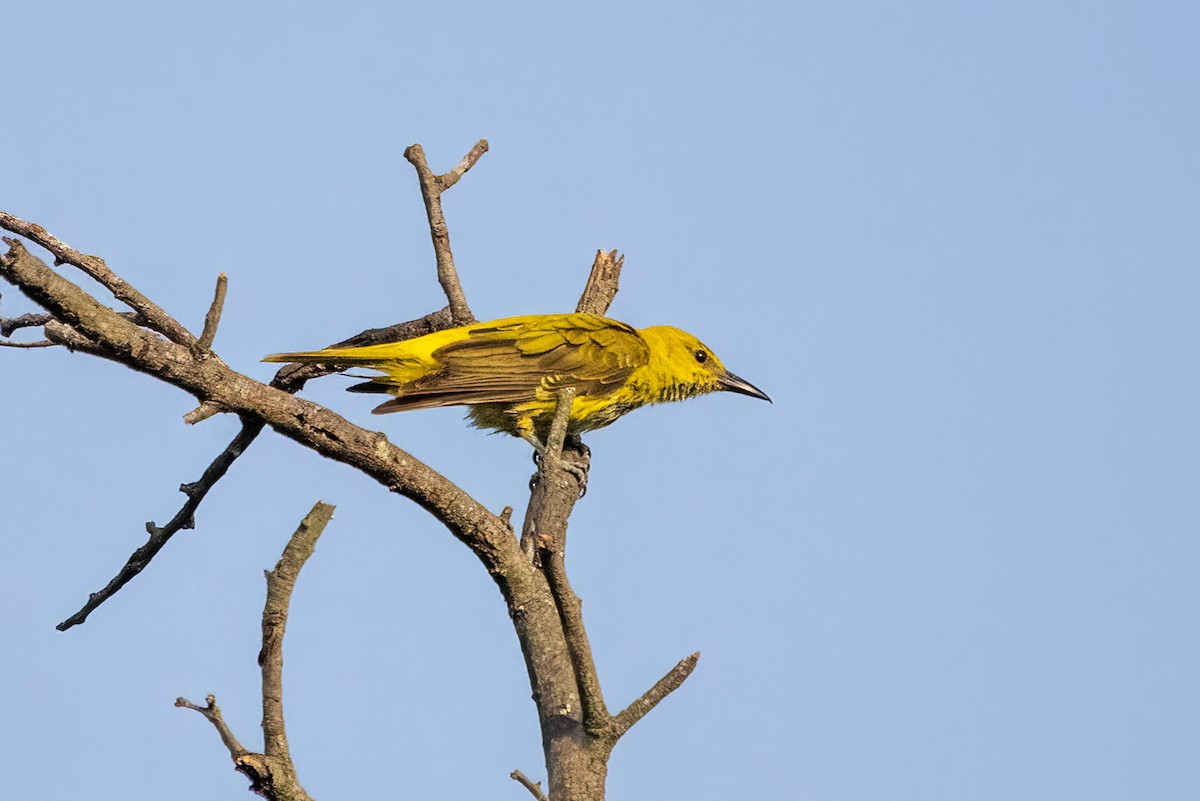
[539, 450]
[573, 442]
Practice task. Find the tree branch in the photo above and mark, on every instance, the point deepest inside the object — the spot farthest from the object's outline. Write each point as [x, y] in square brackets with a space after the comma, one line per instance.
[95, 267]
[184, 518]
[432, 187]
[212, 319]
[280, 583]
[288, 379]
[602, 283]
[534, 787]
[213, 713]
[308, 423]
[10, 324]
[272, 773]
[651, 698]
[596, 719]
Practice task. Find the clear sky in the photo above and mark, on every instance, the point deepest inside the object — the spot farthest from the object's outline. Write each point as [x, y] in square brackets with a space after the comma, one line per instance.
[956, 242]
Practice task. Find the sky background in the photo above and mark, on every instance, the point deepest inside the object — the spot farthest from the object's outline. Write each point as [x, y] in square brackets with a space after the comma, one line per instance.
[956, 243]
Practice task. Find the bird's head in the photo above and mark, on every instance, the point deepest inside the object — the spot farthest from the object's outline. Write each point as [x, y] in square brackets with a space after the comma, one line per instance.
[686, 366]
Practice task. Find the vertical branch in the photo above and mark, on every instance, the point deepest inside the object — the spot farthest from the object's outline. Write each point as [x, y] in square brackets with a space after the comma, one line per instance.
[432, 186]
[272, 774]
[602, 283]
[212, 319]
[280, 583]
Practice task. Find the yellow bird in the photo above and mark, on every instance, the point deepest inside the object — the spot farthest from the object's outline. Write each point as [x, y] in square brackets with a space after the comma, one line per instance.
[509, 371]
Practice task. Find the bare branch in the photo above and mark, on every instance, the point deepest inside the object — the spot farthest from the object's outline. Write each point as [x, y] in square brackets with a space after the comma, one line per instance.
[602, 283]
[272, 773]
[41, 343]
[184, 518]
[213, 713]
[95, 267]
[10, 324]
[212, 319]
[290, 378]
[201, 413]
[596, 719]
[432, 187]
[310, 424]
[650, 699]
[529, 784]
[280, 583]
[473, 155]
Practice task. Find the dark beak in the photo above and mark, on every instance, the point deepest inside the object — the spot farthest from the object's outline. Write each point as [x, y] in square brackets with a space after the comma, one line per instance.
[731, 383]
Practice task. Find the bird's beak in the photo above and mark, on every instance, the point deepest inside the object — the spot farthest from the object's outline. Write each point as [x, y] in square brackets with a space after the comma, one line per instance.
[731, 383]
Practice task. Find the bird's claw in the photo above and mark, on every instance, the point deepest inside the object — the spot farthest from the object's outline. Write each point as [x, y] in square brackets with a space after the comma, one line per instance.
[579, 472]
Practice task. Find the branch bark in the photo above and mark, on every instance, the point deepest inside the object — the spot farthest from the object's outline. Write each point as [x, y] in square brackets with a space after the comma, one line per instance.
[95, 267]
[272, 773]
[213, 318]
[290, 378]
[432, 186]
[577, 730]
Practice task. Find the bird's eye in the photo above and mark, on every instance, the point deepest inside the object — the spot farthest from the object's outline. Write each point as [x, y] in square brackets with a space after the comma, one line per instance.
[701, 356]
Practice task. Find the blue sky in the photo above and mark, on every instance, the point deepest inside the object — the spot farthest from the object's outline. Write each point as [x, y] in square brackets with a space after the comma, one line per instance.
[956, 243]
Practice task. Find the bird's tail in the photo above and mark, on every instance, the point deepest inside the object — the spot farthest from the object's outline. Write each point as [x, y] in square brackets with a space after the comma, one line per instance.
[342, 357]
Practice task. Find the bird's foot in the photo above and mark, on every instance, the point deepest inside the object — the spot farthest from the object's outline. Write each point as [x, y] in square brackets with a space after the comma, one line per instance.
[578, 469]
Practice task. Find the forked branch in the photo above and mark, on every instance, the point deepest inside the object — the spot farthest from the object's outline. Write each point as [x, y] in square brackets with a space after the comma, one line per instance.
[432, 186]
[272, 773]
[95, 267]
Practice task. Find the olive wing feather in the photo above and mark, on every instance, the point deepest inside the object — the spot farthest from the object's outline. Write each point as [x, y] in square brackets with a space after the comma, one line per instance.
[520, 361]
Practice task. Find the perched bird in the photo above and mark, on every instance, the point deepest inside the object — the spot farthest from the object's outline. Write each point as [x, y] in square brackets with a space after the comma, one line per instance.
[509, 371]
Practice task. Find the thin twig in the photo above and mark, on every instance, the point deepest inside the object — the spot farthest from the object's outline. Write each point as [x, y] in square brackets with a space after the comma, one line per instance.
[530, 785]
[280, 583]
[602, 283]
[432, 187]
[650, 699]
[213, 713]
[184, 518]
[41, 343]
[95, 267]
[212, 319]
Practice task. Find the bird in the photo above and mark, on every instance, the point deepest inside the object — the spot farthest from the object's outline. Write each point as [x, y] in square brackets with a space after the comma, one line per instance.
[508, 371]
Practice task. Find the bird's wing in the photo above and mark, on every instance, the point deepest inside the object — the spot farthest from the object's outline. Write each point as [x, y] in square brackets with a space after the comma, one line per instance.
[515, 361]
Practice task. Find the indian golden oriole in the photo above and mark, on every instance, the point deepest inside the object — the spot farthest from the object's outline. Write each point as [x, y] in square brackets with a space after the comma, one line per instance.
[509, 371]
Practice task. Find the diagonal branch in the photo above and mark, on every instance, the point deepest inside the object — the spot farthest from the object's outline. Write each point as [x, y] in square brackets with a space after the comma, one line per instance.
[95, 267]
[651, 698]
[184, 518]
[432, 186]
[212, 713]
[308, 423]
[290, 378]
[529, 784]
